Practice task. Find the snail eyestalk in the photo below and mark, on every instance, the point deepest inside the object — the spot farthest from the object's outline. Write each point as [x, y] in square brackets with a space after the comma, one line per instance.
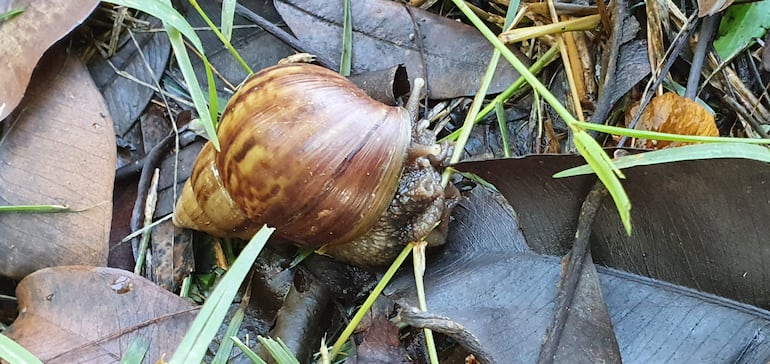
[413, 103]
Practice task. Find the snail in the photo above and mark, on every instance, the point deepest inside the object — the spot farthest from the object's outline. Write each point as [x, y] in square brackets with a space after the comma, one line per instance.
[307, 152]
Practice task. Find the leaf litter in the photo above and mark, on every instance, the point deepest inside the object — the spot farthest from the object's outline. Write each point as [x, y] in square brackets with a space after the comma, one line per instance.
[684, 200]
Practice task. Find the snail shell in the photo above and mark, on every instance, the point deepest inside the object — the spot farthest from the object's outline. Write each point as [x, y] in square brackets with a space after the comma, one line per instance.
[302, 150]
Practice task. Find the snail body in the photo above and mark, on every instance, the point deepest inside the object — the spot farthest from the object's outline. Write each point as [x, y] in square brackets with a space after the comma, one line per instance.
[307, 152]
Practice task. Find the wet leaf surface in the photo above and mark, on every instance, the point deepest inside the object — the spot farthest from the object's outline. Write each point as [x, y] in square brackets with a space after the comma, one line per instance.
[80, 314]
[686, 229]
[258, 48]
[25, 37]
[452, 55]
[127, 97]
[504, 297]
[624, 61]
[59, 148]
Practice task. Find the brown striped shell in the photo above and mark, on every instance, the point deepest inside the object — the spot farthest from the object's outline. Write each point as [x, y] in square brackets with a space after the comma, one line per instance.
[302, 150]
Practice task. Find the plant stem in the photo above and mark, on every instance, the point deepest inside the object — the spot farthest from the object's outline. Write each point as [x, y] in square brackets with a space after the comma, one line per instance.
[704, 40]
[222, 38]
[370, 300]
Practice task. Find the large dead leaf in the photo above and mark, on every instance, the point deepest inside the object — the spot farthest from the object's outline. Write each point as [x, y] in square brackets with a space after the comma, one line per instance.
[80, 314]
[699, 223]
[257, 47]
[24, 38]
[451, 56]
[127, 98]
[483, 288]
[58, 149]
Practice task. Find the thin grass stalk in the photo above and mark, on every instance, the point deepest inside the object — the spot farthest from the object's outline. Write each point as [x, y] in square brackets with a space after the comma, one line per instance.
[370, 300]
[347, 40]
[222, 37]
[418, 255]
[587, 146]
[544, 60]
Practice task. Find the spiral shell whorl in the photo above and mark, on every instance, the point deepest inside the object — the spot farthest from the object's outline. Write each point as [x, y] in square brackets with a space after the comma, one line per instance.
[305, 151]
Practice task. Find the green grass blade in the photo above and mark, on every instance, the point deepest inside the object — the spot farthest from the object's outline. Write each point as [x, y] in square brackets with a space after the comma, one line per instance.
[228, 14]
[684, 153]
[515, 62]
[644, 134]
[544, 60]
[226, 346]
[510, 14]
[175, 25]
[586, 145]
[136, 351]
[192, 82]
[14, 353]
[205, 326]
[278, 350]
[501, 123]
[347, 40]
[10, 14]
[247, 351]
[164, 11]
[337, 348]
[222, 38]
[210, 124]
[418, 264]
[607, 173]
[36, 208]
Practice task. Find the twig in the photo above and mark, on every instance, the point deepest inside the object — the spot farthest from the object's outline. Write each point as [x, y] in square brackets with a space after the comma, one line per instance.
[282, 35]
[571, 277]
[675, 49]
[151, 161]
[704, 40]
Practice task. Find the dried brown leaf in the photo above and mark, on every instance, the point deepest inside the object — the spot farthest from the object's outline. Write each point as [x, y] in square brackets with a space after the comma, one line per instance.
[449, 55]
[80, 314]
[25, 37]
[59, 149]
[671, 113]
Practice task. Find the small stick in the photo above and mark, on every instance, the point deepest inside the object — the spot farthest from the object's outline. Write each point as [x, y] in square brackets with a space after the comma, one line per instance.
[282, 35]
[151, 161]
[578, 256]
[704, 40]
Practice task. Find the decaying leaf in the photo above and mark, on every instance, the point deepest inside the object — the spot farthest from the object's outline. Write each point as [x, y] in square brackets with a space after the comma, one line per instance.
[25, 37]
[451, 56]
[671, 113]
[623, 61]
[497, 300]
[59, 148]
[126, 98]
[697, 223]
[78, 314]
[711, 7]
